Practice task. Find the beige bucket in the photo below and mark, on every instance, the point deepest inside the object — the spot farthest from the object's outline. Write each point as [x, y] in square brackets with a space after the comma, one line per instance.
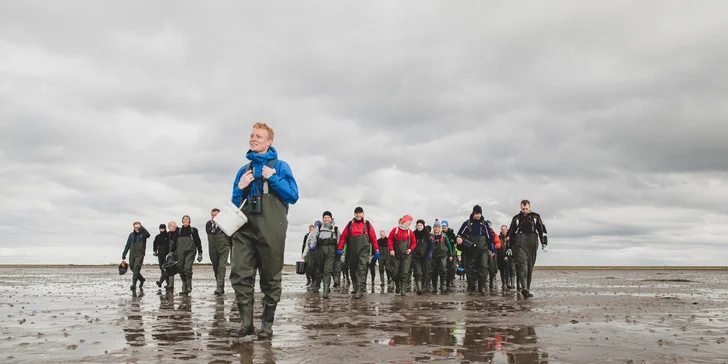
[230, 219]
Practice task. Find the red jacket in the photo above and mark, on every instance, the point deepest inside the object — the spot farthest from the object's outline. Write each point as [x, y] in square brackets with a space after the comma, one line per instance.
[357, 228]
[401, 235]
[497, 239]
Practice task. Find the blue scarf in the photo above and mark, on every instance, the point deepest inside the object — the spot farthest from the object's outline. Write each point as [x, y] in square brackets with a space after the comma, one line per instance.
[258, 160]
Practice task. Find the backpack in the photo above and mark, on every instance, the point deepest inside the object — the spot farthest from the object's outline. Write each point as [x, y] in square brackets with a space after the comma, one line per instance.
[367, 226]
[272, 163]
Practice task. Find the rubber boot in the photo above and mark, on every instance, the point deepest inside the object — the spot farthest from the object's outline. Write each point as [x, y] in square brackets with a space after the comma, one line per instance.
[308, 281]
[133, 283]
[397, 289]
[141, 282]
[183, 292]
[246, 321]
[511, 282]
[266, 326]
[189, 285]
[418, 286]
[317, 286]
[491, 286]
[402, 290]
[373, 284]
[442, 287]
[481, 287]
[326, 291]
[471, 287]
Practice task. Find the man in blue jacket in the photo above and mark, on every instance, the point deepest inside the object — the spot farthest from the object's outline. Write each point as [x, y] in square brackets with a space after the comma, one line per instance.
[267, 186]
[475, 231]
[136, 246]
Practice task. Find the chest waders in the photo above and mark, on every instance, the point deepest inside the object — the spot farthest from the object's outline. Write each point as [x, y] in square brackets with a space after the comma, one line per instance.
[358, 248]
[325, 258]
[525, 246]
[420, 265]
[137, 250]
[400, 265]
[438, 268]
[479, 264]
[504, 264]
[162, 252]
[261, 242]
[385, 265]
[185, 257]
[219, 248]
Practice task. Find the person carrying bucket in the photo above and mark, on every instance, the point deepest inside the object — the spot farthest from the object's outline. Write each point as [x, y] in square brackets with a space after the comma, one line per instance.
[186, 241]
[161, 249]
[136, 246]
[268, 187]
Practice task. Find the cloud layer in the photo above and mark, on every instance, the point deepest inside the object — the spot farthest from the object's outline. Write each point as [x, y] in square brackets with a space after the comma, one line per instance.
[610, 118]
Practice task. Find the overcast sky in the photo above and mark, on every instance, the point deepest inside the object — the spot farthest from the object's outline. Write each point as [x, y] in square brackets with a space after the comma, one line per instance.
[611, 117]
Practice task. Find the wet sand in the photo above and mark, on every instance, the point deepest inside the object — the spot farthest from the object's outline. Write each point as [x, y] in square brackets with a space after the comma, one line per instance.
[89, 315]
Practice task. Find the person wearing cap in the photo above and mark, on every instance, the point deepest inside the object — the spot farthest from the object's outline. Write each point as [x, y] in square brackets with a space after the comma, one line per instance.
[474, 230]
[360, 239]
[421, 255]
[219, 249]
[526, 230]
[322, 244]
[160, 248]
[492, 258]
[452, 264]
[385, 261]
[268, 187]
[136, 246]
[401, 243]
[442, 252]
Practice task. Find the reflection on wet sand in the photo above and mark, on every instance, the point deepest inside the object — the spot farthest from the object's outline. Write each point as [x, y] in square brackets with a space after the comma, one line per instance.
[134, 325]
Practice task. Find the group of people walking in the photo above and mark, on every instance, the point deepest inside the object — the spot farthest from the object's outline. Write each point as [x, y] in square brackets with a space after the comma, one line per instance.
[432, 255]
[263, 190]
[179, 245]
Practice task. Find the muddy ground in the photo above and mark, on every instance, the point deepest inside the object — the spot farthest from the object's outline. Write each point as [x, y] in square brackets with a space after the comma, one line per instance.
[89, 315]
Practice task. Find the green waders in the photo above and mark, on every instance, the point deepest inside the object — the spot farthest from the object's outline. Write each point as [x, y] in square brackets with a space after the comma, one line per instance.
[185, 257]
[419, 265]
[219, 248]
[401, 265]
[482, 256]
[492, 270]
[327, 255]
[439, 266]
[337, 271]
[260, 242]
[310, 264]
[358, 249]
[385, 265]
[137, 250]
[524, 249]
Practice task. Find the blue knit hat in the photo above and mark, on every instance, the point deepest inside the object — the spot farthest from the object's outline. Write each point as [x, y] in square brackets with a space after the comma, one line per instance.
[445, 223]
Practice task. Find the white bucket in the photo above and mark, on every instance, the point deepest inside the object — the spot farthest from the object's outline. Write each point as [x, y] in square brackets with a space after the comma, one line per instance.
[230, 219]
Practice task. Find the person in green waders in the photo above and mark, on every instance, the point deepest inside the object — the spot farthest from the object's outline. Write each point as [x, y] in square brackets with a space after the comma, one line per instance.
[322, 244]
[526, 230]
[441, 254]
[476, 231]
[360, 240]
[136, 246]
[186, 242]
[401, 242]
[267, 186]
[219, 248]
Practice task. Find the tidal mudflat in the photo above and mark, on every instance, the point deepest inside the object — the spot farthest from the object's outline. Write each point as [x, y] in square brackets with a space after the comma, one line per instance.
[89, 315]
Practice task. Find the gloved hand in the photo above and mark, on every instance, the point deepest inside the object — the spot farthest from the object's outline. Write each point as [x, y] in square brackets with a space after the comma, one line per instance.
[155, 254]
[338, 253]
[509, 252]
[312, 248]
[169, 257]
[199, 257]
[376, 255]
[544, 248]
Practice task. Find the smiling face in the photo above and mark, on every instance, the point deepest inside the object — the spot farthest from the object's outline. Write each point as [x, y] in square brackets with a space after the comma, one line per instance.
[260, 140]
[420, 226]
[437, 230]
[185, 221]
[358, 215]
[504, 230]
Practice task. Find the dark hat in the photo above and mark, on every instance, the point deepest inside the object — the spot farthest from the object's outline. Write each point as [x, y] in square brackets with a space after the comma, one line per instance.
[477, 209]
[162, 226]
[420, 221]
[327, 213]
[358, 210]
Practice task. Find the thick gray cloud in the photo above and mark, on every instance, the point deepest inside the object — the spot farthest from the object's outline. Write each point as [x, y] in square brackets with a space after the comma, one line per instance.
[609, 117]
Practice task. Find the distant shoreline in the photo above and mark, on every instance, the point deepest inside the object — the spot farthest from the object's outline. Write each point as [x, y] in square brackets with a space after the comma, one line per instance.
[290, 266]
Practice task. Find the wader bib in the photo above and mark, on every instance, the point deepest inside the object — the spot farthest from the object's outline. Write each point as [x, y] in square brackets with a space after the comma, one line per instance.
[358, 248]
[401, 265]
[325, 258]
[162, 252]
[219, 248]
[504, 265]
[186, 251]
[137, 250]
